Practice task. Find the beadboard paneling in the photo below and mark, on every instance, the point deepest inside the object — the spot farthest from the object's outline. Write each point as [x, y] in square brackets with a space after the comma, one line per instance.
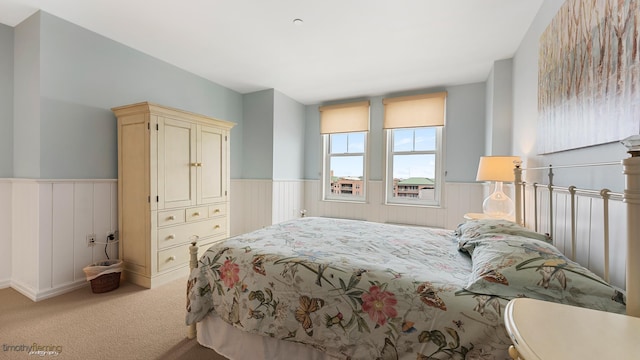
[590, 229]
[62, 233]
[288, 199]
[459, 198]
[50, 221]
[25, 250]
[250, 205]
[5, 233]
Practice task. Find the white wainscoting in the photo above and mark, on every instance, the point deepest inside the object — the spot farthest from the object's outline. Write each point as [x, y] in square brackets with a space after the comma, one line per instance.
[5, 233]
[251, 202]
[50, 221]
[259, 203]
[288, 199]
[459, 198]
[590, 229]
[44, 223]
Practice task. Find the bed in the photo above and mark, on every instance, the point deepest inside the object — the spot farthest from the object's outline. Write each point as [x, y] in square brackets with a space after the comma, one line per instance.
[324, 288]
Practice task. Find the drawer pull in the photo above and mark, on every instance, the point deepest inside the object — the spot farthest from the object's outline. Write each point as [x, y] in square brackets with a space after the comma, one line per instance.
[196, 213]
[171, 237]
[172, 258]
[217, 227]
[171, 217]
[216, 211]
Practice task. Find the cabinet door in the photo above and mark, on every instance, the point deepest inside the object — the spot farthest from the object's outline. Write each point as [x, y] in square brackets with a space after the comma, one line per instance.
[177, 163]
[133, 191]
[212, 169]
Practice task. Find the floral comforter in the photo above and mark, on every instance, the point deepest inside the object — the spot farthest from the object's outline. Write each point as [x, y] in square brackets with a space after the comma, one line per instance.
[352, 289]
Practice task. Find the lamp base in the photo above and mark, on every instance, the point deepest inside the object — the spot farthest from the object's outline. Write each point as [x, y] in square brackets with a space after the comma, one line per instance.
[498, 205]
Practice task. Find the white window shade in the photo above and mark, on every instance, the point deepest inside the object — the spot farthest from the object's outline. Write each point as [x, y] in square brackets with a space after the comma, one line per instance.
[343, 118]
[415, 111]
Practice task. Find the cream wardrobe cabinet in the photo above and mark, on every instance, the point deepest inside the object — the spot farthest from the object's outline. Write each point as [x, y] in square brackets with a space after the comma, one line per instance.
[173, 175]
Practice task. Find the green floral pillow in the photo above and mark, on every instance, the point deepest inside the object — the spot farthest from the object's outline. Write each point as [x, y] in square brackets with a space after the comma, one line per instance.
[471, 232]
[521, 267]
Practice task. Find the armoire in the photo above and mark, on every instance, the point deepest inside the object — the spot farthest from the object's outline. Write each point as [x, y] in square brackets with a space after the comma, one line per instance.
[173, 178]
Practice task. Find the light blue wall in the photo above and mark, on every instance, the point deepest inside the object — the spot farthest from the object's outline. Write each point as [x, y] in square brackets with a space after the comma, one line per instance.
[82, 76]
[312, 143]
[463, 137]
[6, 101]
[288, 142]
[499, 108]
[257, 133]
[465, 131]
[26, 105]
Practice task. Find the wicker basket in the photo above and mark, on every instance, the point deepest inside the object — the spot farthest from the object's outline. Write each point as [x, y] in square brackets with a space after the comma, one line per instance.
[106, 282]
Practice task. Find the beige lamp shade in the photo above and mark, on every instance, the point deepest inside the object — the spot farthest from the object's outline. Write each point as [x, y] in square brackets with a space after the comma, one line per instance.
[497, 168]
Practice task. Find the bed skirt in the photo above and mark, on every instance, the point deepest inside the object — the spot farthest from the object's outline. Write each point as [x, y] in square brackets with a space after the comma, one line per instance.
[236, 344]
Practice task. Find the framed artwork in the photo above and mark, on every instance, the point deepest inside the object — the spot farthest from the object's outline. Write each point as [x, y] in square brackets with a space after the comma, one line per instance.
[589, 75]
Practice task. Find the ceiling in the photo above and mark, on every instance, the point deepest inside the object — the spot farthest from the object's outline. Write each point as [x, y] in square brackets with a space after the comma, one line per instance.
[343, 49]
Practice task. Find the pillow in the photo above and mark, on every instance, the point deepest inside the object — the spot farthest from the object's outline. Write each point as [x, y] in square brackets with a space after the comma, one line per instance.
[522, 267]
[468, 233]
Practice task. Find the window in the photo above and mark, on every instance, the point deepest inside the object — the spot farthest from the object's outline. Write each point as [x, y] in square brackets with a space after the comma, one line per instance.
[345, 165]
[414, 126]
[413, 164]
[344, 129]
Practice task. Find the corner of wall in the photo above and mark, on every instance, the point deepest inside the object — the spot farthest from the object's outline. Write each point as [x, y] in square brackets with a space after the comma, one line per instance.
[5, 234]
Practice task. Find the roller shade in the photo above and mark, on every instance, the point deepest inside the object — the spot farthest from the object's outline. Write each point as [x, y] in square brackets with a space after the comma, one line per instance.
[414, 111]
[342, 118]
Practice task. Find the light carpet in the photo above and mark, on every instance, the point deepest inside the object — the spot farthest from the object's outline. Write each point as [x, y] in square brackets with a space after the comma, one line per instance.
[130, 322]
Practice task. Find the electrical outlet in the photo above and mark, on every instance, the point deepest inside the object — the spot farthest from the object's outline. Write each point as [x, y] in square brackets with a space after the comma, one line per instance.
[91, 239]
[112, 236]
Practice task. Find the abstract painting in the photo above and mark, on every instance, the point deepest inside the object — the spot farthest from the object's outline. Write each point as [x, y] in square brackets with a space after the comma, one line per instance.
[589, 75]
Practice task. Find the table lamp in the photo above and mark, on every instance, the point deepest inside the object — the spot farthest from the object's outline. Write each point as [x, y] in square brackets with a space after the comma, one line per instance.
[498, 169]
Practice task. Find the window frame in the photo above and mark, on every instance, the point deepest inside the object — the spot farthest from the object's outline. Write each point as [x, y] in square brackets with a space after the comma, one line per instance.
[327, 193]
[438, 171]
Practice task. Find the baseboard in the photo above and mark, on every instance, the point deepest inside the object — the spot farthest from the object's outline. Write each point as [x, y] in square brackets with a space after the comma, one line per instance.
[5, 283]
[49, 293]
[159, 279]
[25, 290]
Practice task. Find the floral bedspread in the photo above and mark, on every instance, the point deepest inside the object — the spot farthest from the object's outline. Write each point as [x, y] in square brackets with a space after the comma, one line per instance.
[353, 289]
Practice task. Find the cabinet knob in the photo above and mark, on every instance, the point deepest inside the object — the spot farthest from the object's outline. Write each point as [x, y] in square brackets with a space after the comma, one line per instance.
[199, 165]
[216, 211]
[171, 217]
[171, 237]
[197, 213]
[172, 258]
[217, 227]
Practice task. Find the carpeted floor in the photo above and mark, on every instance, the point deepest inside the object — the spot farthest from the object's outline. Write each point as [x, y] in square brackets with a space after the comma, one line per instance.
[130, 322]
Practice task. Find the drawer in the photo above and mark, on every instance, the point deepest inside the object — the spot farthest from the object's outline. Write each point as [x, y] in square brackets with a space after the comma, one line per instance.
[188, 232]
[173, 257]
[197, 213]
[170, 217]
[217, 210]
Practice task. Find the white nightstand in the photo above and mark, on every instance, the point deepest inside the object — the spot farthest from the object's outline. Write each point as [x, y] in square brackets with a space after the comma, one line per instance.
[542, 330]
